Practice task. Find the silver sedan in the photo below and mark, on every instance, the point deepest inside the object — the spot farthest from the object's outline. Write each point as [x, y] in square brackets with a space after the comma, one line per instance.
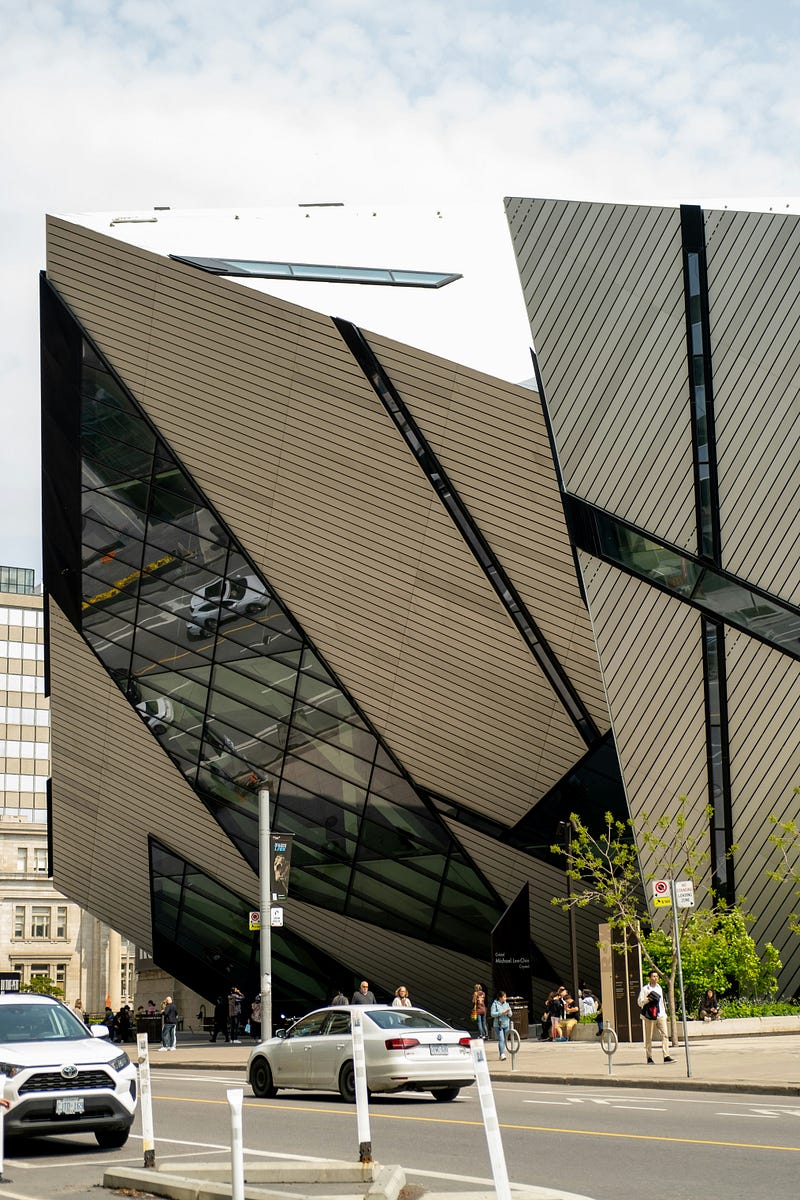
[406, 1049]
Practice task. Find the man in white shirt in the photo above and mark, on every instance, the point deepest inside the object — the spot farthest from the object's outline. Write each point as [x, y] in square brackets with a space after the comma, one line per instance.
[652, 995]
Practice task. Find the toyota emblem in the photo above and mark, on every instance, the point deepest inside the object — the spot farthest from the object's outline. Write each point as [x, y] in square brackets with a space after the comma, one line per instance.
[69, 1071]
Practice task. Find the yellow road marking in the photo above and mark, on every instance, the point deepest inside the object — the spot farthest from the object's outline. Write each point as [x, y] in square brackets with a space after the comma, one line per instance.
[602, 1133]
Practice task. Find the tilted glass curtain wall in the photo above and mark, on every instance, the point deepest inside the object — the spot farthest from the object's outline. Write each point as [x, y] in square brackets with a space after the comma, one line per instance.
[202, 929]
[237, 697]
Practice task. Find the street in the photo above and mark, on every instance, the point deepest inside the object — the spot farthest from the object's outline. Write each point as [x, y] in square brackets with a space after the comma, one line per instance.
[608, 1144]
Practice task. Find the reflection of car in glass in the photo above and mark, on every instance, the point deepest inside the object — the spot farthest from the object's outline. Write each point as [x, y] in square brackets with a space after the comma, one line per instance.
[406, 1049]
[157, 713]
[223, 600]
[60, 1077]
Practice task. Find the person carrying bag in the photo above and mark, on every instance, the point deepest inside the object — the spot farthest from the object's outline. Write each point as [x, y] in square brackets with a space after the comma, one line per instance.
[501, 1020]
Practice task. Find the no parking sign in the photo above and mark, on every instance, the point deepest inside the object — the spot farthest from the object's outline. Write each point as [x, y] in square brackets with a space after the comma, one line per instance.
[661, 896]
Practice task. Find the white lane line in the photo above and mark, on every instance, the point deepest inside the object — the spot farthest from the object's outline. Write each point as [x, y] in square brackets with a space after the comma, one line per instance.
[549, 1103]
[768, 1116]
[639, 1107]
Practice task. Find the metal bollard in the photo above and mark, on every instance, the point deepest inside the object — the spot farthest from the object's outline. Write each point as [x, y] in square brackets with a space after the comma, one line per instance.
[513, 1043]
[235, 1098]
[362, 1095]
[497, 1156]
[145, 1100]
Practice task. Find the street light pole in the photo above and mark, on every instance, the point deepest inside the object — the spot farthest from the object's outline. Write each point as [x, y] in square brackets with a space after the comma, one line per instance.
[566, 828]
[265, 942]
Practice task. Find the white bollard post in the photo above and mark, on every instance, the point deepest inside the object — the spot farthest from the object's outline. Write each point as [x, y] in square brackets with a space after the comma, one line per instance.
[362, 1095]
[2, 1124]
[497, 1156]
[145, 1100]
[235, 1097]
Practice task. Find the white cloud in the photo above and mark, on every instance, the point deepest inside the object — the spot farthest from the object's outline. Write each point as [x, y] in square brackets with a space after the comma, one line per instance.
[191, 102]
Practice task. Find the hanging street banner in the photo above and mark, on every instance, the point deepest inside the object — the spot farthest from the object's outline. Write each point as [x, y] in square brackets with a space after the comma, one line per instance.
[661, 895]
[280, 864]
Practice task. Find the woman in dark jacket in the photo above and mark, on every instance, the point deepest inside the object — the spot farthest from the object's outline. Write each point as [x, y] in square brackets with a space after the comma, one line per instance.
[709, 1006]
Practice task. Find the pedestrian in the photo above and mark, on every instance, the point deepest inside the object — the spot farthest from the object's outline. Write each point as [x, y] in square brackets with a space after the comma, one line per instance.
[709, 1006]
[235, 999]
[77, 1008]
[501, 1019]
[479, 1010]
[170, 1019]
[220, 1019]
[572, 1012]
[255, 1019]
[339, 998]
[401, 998]
[654, 1016]
[590, 1007]
[363, 995]
[557, 1010]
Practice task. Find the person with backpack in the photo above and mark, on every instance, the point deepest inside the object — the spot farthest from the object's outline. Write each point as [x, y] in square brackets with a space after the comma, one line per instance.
[654, 1016]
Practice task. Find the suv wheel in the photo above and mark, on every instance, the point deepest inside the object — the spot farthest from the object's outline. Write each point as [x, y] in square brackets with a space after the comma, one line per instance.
[112, 1139]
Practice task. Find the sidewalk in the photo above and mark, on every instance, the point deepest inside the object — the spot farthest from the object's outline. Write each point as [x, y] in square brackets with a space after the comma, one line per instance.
[766, 1064]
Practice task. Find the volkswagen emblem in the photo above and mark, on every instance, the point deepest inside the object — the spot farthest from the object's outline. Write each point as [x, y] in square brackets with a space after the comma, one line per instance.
[69, 1071]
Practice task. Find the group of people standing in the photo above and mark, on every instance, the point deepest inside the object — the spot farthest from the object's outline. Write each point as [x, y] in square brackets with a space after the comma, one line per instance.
[231, 1017]
[500, 1013]
[562, 1012]
[364, 995]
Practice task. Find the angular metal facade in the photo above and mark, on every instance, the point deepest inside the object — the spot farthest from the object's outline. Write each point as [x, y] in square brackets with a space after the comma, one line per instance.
[416, 600]
[368, 668]
[668, 347]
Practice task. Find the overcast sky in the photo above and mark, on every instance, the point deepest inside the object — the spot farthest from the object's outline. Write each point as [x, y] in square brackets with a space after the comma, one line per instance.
[109, 104]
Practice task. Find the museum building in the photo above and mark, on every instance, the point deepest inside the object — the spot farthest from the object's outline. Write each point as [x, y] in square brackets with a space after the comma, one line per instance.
[306, 530]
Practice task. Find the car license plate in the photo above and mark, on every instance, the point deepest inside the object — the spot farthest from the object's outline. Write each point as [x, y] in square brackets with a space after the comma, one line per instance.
[438, 1049]
[69, 1108]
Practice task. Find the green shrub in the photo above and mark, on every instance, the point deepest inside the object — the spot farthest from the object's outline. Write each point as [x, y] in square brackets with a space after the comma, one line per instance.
[752, 1008]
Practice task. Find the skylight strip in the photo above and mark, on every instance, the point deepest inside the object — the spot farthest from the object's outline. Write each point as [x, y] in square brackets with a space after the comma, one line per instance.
[318, 272]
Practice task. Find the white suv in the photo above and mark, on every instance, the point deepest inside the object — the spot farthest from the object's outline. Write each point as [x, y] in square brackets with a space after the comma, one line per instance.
[224, 600]
[60, 1077]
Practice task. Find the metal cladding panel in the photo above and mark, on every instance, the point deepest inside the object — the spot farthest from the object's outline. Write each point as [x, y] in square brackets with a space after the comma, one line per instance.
[650, 648]
[754, 300]
[603, 286]
[508, 870]
[763, 686]
[491, 440]
[437, 979]
[112, 786]
[265, 406]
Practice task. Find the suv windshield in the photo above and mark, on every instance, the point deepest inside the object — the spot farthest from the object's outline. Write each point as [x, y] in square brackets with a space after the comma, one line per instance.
[39, 1023]
[406, 1018]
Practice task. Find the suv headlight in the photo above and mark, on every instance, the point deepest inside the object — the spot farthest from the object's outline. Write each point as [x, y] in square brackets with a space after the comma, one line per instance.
[10, 1069]
[120, 1062]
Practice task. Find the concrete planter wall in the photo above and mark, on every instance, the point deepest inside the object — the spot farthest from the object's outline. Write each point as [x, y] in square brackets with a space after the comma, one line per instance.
[741, 1027]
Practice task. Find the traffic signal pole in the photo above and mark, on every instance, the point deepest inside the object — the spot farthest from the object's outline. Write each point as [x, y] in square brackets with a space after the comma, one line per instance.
[264, 862]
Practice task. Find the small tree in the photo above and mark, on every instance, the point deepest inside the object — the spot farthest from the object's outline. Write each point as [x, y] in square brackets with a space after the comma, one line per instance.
[42, 985]
[787, 839]
[606, 869]
[717, 951]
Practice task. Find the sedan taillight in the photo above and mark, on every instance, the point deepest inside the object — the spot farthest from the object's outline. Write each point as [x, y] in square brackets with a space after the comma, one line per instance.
[465, 1041]
[401, 1043]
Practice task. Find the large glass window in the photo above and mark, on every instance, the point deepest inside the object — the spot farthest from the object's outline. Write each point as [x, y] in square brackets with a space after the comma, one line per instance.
[222, 676]
[202, 928]
[700, 584]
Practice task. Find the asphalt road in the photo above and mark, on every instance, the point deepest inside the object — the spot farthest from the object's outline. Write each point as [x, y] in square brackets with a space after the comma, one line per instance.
[595, 1142]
